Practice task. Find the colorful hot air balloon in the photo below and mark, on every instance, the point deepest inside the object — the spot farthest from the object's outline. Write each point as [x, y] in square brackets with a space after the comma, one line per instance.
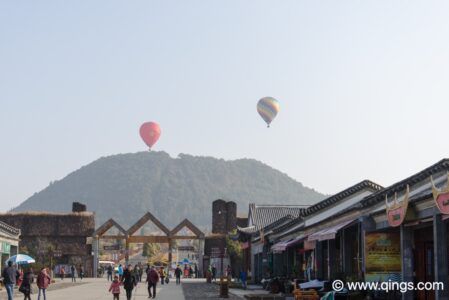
[268, 108]
[150, 133]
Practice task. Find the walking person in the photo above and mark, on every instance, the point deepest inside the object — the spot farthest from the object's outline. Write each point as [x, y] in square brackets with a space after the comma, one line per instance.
[73, 273]
[162, 275]
[229, 273]
[109, 272]
[25, 287]
[10, 276]
[214, 273]
[62, 272]
[178, 273]
[137, 272]
[243, 277]
[81, 273]
[152, 280]
[195, 270]
[43, 281]
[115, 288]
[20, 278]
[140, 272]
[129, 281]
[120, 272]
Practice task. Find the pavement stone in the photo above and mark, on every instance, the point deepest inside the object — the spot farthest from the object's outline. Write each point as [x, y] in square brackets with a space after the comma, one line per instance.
[97, 289]
[201, 291]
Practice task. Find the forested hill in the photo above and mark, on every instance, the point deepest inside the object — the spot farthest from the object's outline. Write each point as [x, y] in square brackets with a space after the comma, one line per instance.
[125, 186]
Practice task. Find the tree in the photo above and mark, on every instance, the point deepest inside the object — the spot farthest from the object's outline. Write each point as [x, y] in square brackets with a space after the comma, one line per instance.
[146, 250]
[150, 249]
[235, 252]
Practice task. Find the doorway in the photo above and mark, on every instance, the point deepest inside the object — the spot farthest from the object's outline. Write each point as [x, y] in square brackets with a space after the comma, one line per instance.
[424, 261]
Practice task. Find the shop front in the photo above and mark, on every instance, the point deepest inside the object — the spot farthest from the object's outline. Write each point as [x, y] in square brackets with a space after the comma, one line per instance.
[9, 242]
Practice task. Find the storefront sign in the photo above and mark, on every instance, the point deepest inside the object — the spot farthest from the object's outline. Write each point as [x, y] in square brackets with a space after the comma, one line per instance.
[441, 197]
[382, 256]
[397, 210]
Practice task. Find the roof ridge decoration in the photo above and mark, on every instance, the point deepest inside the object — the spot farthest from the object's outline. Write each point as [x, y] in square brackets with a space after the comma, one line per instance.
[442, 165]
[343, 194]
[397, 210]
[441, 196]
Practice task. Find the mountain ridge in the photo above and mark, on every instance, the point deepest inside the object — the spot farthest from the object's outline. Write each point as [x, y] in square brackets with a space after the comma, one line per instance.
[125, 186]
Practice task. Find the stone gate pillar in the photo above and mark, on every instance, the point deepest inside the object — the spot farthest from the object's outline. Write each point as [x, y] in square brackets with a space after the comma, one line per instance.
[440, 255]
[95, 248]
[127, 250]
[200, 257]
[407, 258]
[170, 252]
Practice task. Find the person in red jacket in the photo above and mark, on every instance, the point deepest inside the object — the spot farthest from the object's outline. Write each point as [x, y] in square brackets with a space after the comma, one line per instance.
[152, 279]
[43, 281]
[115, 288]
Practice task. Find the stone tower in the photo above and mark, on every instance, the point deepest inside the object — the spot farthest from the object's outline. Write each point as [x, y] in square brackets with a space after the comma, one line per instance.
[231, 216]
[224, 216]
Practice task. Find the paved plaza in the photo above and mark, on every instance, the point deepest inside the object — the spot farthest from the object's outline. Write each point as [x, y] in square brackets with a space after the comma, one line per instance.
[97, 289]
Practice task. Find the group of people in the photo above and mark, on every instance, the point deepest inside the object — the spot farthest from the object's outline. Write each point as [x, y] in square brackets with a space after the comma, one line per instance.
[191, 272]
[137, 271]
[129, 277]
[73, 272]
[23, 278]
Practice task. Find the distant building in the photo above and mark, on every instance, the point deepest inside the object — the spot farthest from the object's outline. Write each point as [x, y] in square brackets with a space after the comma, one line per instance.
[63, 237]
[9, 241]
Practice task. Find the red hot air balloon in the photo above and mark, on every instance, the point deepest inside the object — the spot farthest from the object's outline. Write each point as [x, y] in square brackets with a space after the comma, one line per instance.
[150, 133]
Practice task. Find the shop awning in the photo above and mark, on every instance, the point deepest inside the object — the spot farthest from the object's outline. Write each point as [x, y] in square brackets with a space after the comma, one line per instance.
[280, 246]
[283, 245]
[328, 233]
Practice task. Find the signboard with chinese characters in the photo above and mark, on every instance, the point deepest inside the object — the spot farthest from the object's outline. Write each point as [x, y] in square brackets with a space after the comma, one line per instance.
[111, 247]
[383, 256]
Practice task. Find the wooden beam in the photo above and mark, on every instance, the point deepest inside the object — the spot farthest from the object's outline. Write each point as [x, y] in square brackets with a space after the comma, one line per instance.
[186, 223]
[185, 237]
[108, 225]
[112, 237]
[148, 239]
[142, 221]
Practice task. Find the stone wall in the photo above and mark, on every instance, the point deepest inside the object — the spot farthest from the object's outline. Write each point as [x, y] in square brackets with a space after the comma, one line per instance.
[64, 234]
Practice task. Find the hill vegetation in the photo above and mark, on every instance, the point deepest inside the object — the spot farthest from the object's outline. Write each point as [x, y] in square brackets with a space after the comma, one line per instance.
[125, 186]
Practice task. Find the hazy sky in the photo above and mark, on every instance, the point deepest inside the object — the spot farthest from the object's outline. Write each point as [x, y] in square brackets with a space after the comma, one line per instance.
[363, 86]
